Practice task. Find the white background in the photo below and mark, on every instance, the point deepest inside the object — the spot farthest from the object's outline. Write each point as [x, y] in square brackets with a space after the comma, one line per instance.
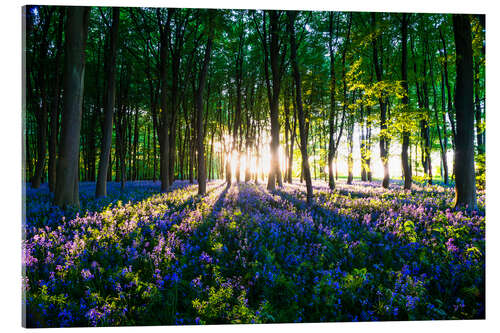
[10, 157]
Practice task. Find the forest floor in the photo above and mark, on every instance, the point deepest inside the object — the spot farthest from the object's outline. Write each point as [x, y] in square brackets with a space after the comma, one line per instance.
[245, 255]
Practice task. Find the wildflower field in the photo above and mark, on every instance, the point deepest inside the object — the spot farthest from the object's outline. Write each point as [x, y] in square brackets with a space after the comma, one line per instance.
[242, 254]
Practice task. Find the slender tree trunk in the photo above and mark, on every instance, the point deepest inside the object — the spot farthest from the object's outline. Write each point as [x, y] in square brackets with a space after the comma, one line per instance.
[384, 141]
[350, 146]
[210, 167]
[66, 192]
[298, 96]
[362, 144]
[54, 112]
[286, 105]
[445, 134]
[164, 114]
[43, 107]
[331, 119]
[425, 122]
[109, 106]
[444, 169]
[292, 141]
[273, 96]
[465, 182]
[404, 83]
[368, 149]
[122, 152]
[448, 88]
[202, 181]
[477, 104]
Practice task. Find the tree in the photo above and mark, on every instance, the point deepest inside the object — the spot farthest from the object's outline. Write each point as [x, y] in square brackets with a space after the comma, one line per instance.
[334, 139]
[276, 60]
[404, 78]
[200, 133]
[66, 192]
[384, 140]
[108, 106]
[465, 183]
[42, 111]
[54, 112]
[163, 136]
[298, 98]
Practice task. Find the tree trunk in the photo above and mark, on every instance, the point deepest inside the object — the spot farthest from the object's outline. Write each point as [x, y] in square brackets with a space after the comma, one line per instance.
[164, 115]
[273, 95]
[425, 122]
[448, 88]
[362, 144]
[66, 192]
[350, 146]
[292, 140]
[54, 112]
[445, 134]
[202, 179]
[444, 170]
[477, 104]
[331, 119]
[465, 182]
[384, 141]
[42, 108]
[404, 83]
[286, 106]
[298, 96]
[100, 190]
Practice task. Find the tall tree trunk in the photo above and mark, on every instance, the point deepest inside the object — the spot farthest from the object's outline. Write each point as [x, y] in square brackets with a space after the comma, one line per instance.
[286, 106]
[362, 144]
[237, 116]
[298, 96]
[477, 104]
[436, 118]
[404, 83]
[66, 192]
[272, 56]
[210, 163]
[292, 140]
[135, 143]
[164, 114]
[100, 190]
[465, 182]
[54, 112]
[334, 127]
[425, 122]
[202, 179]
[350, 147]
[331, 118]
[448, 88]
[42, 108]
[368, 147]
[384, 141]
[445, 134]
[92, 144]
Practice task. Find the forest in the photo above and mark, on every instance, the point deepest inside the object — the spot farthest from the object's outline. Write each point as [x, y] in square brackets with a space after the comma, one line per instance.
[210, 166]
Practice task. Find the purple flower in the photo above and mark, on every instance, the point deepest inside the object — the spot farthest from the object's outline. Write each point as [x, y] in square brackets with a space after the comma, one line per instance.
[204, 257]
[86, 274]
[450, 246]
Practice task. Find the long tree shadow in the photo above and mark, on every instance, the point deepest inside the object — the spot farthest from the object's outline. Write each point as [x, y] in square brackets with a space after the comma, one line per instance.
[394, 191]
[40, 211]
[220, 201]
[331, 217]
